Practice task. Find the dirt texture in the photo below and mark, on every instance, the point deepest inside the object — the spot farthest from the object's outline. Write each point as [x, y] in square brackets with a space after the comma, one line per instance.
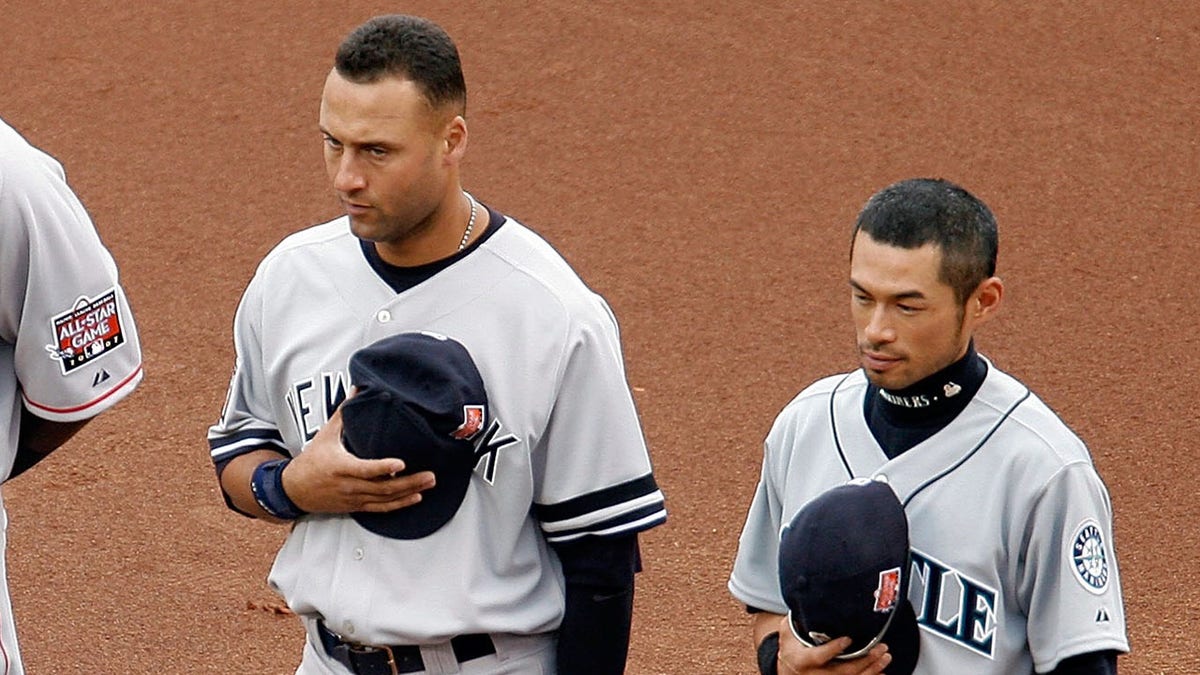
[700, 164]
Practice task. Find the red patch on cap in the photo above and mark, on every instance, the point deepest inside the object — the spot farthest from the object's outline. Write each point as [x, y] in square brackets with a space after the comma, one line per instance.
[889, 590]
[472, 422]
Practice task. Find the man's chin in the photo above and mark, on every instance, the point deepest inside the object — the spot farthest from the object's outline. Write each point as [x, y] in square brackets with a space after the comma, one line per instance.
[883, 380]
[363, 229]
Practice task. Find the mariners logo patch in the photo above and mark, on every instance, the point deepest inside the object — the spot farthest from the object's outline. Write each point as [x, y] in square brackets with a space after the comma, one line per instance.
[889, 590]
[1089, 557]
[89, 330]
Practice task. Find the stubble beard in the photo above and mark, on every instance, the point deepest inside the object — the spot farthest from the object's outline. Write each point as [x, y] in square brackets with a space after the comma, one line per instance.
[387, 229]
[880, 380]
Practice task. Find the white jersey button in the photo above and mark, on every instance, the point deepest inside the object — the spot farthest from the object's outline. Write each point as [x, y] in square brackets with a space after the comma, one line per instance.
[348, 628]
[358, 554]
[384, 316]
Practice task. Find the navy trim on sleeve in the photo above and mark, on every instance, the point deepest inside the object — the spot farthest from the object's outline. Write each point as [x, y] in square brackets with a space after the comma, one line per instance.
[594, 501]
[630, 507]
[226, 448]
[620, 524]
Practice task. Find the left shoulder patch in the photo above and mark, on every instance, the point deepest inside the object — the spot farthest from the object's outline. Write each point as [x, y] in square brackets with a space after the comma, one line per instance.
[1089, 557]
[87, 331]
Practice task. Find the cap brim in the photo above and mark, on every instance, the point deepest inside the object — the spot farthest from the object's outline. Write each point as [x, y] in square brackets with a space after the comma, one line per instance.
[903, 639]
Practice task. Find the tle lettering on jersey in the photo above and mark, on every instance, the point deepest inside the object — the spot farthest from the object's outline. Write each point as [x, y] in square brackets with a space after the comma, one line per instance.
[953, 606]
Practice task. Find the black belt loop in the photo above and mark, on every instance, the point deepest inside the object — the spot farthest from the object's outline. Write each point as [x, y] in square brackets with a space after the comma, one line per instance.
[396, 659]
[472, 646]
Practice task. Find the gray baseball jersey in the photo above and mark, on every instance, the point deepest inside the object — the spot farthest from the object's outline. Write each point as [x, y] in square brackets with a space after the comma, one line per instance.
[68, 344]
[1010, 525]
[564, 458]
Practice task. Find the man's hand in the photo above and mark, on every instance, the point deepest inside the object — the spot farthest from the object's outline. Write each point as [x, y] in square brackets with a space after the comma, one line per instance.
[796, 659]
[326, 478]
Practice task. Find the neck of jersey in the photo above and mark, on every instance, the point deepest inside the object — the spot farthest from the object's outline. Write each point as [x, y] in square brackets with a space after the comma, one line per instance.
[401, 279]
[903, 418]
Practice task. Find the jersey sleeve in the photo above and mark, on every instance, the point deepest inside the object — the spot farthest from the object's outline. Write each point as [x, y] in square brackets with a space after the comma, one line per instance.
[76, 346]
[755, 576]
[592, 473]
[246, 422]
[1070, 582]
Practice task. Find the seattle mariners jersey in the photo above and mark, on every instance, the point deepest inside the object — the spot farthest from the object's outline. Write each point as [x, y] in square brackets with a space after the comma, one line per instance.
[68, 345]
[565, 456]
[1010, 525]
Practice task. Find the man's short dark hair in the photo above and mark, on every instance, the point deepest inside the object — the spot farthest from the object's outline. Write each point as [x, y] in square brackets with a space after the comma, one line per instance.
[912, 213]
[408, 47]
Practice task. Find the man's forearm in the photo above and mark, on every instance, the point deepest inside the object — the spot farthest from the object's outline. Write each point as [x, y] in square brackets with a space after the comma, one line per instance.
[594, 637]
[235, 482]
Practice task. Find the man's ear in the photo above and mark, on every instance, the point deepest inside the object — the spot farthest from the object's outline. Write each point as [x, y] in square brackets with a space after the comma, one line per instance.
[985, 301]
[454, 138]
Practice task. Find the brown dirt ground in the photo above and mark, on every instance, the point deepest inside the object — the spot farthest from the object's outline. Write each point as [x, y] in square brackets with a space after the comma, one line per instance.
[700, 164]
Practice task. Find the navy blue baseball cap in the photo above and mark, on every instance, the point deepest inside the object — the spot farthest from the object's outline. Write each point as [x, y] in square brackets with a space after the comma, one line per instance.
[420, 398]
[843, 571]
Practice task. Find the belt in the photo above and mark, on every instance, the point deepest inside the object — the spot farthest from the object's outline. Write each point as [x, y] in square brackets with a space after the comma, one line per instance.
[396, 659]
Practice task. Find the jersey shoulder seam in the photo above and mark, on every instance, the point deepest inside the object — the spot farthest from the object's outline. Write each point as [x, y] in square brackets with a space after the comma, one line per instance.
[314, 235]
[537, 245]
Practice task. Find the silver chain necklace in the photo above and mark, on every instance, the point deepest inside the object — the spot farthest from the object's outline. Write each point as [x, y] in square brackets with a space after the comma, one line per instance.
[470, 223]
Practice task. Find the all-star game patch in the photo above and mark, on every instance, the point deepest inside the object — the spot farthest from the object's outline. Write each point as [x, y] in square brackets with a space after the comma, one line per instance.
[1089, 557]
[91, 329]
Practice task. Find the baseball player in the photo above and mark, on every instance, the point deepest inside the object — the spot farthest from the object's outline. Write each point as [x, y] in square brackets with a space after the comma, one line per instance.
[69, 348]
[535, 569]
[1013, 568]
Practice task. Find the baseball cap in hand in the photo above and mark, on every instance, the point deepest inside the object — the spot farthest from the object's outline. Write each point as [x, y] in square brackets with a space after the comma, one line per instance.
[843, 571]
[420, 398]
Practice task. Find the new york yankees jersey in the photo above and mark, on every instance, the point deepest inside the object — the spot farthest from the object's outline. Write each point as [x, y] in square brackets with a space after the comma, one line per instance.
[1013, 565]
[563, 458]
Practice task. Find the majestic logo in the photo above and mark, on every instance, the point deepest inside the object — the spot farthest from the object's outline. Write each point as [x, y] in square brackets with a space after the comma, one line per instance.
[473, 416]
[87, 331]
[100, 378]
[951, 389]
[1089, 557]
[888, 591]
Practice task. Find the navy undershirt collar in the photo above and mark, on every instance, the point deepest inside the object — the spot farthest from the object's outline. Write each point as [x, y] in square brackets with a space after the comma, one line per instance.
[401, 279]
[901, 419]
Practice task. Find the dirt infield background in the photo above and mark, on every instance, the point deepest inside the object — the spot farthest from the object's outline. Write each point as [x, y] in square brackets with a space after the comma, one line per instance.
[700, 164]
